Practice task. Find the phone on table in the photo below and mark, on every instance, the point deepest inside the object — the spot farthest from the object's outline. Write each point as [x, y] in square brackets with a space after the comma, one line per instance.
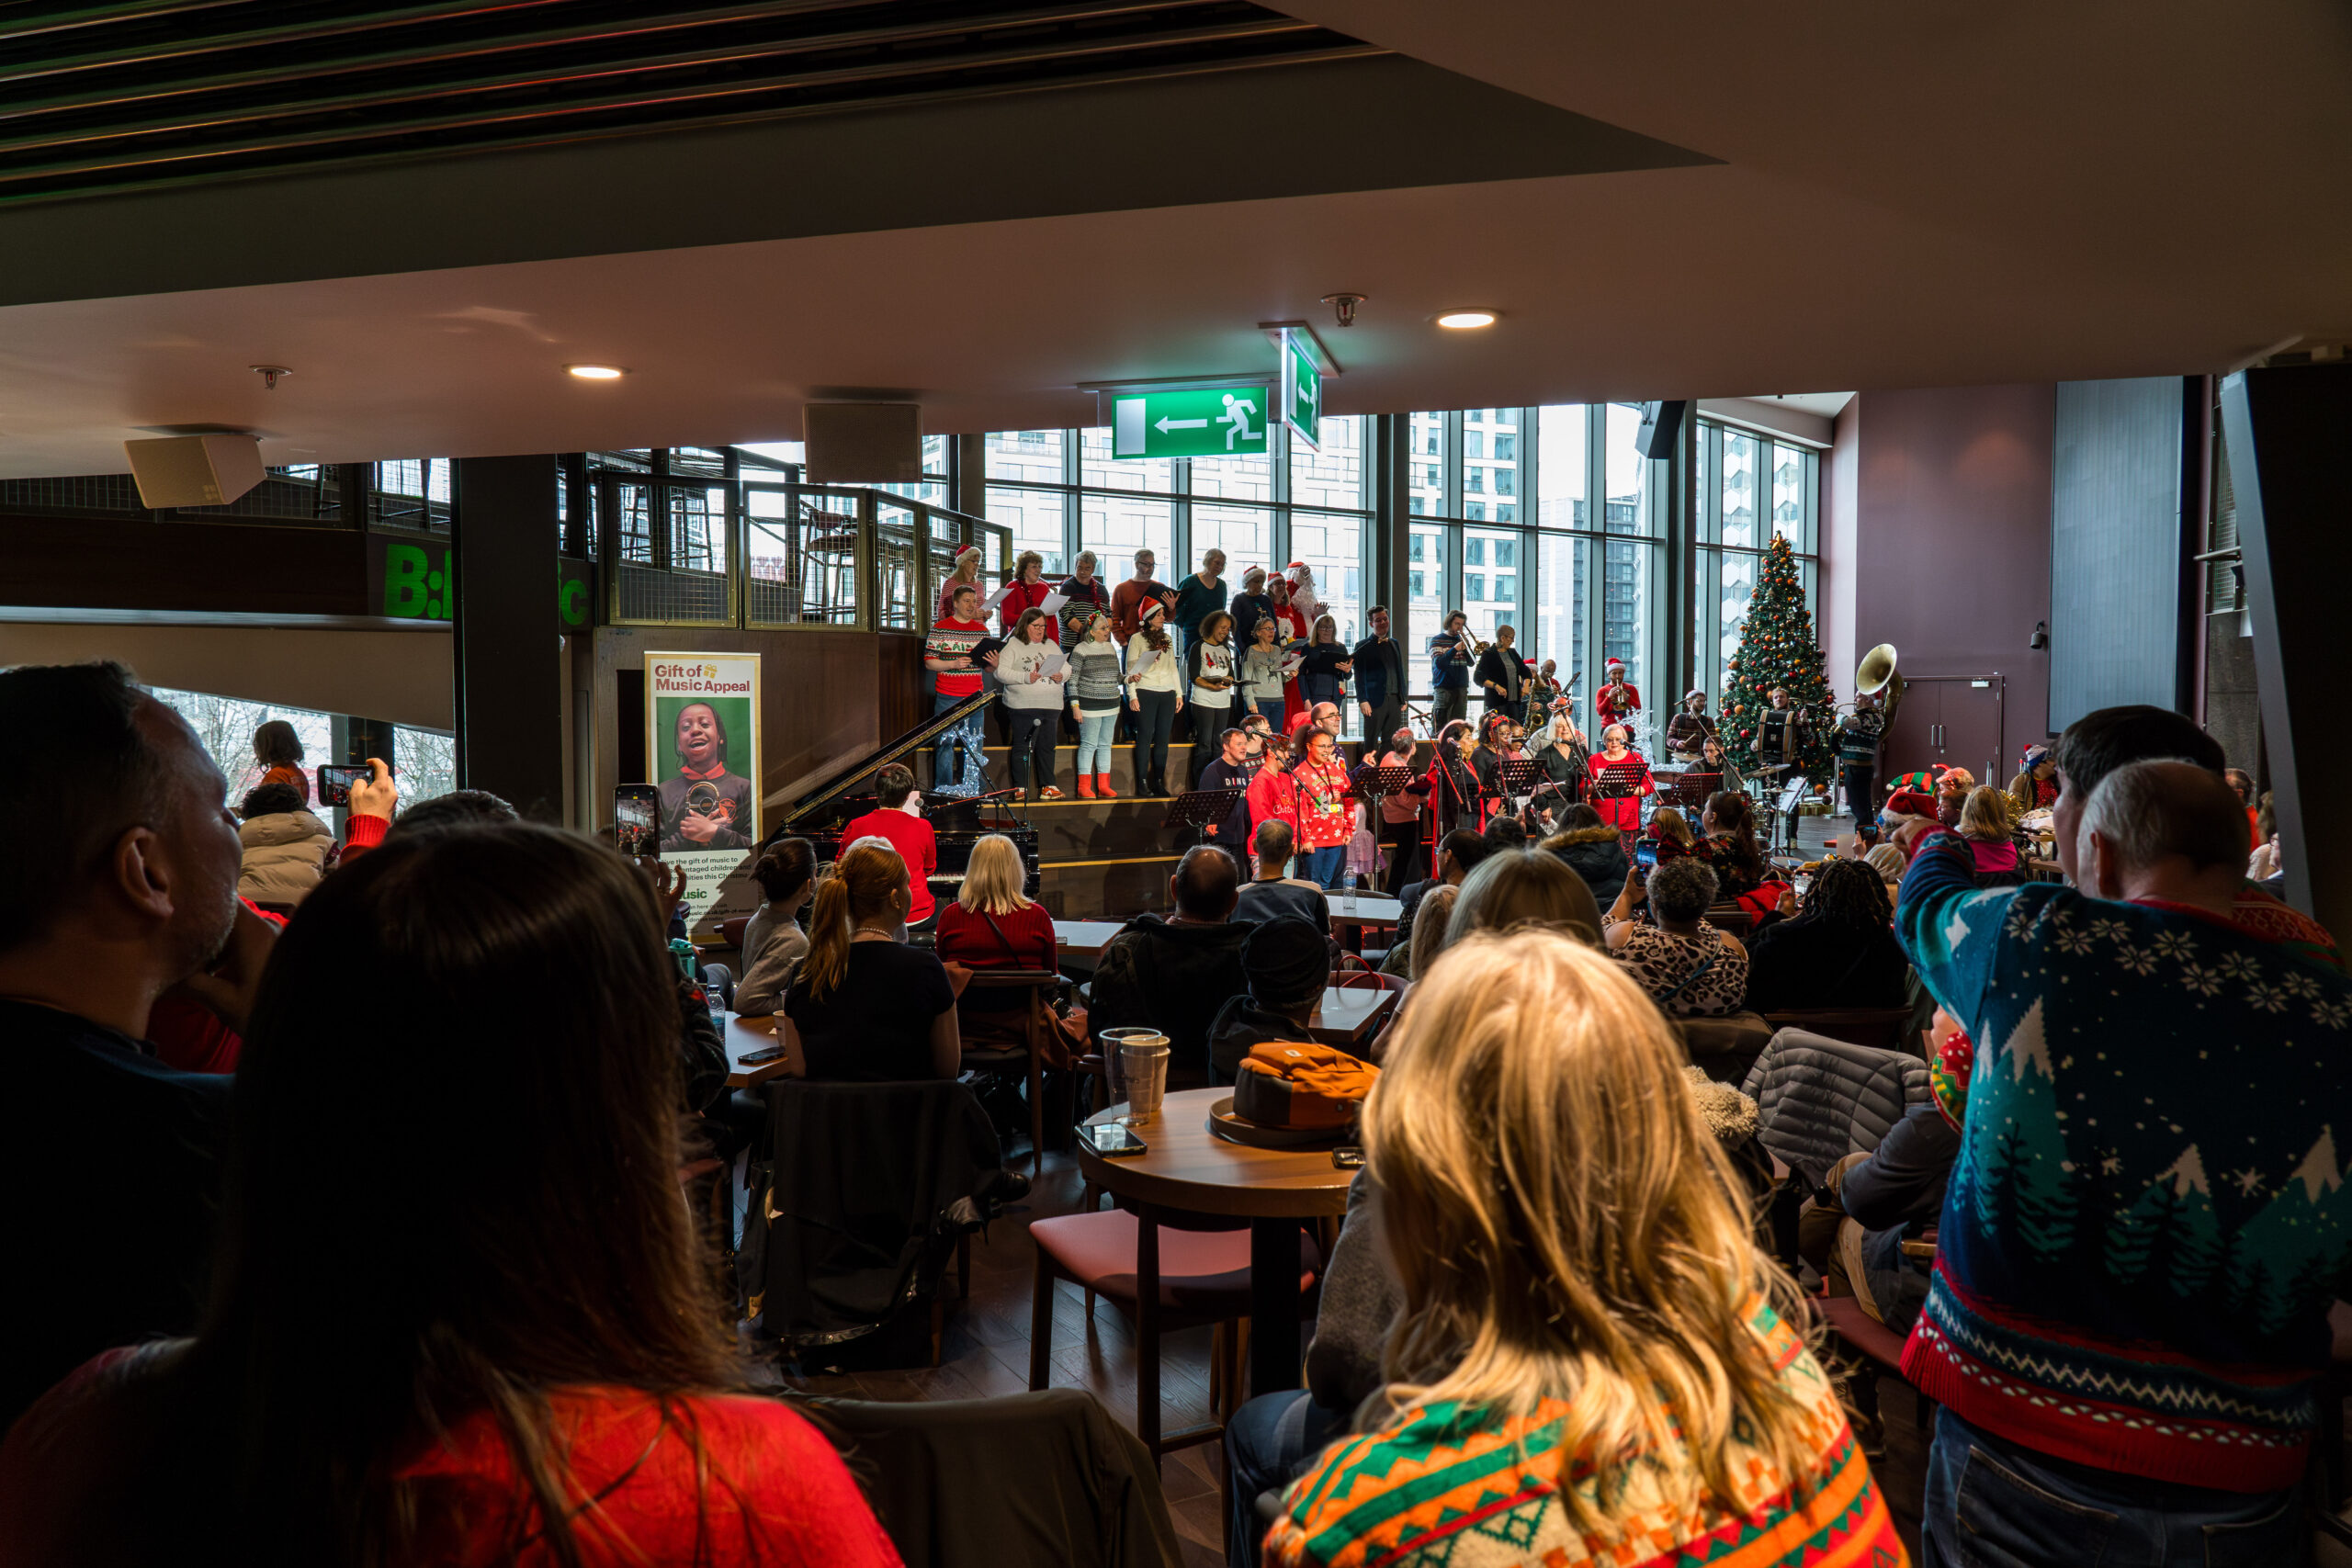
[636, 819]
[1113, 1142]
[335, 780]
[762, 1056]
[1348, 1156]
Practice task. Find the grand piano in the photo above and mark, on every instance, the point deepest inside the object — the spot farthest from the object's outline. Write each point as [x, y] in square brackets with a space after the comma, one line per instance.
[958, 820]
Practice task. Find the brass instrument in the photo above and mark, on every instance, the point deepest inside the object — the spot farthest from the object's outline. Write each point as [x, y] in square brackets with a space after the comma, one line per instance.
[1876, 676]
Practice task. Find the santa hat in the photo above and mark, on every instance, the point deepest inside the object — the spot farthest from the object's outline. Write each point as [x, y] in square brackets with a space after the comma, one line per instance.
[1617, 664]
[1693, 692]
[966, 550]
[1910, 803]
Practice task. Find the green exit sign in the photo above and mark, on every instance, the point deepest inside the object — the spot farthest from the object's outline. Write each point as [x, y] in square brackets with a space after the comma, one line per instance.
[1302, 390]
[1191, 421]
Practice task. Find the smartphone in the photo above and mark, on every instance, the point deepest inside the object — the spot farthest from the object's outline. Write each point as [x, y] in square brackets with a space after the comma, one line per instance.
[637, 818]
[335, 780]
[1114, 1141]
[762, 1056]
[1644, 853]
[1348, 1156]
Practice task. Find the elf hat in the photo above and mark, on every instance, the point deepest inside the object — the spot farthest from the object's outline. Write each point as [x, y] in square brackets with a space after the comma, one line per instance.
[1910, 803]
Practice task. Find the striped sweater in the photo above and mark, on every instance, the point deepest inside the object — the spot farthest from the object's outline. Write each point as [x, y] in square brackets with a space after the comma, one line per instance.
[1444, 1485]
[2148, 1218]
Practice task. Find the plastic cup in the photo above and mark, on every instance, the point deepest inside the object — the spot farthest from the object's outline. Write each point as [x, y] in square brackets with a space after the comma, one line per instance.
[1112, 1040]
[1138, 1057]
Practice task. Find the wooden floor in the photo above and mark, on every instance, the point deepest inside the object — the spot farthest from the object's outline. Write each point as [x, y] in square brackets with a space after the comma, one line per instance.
[985, 1353]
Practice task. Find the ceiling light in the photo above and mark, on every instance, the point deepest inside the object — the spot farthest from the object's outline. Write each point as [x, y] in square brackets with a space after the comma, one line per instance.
[1463, 320]
[597, 372]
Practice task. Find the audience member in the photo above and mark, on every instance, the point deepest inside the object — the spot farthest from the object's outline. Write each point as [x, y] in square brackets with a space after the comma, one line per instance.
[898, 816]
[865, 1008]
[1027, 592]
[1211, 683]
[1672, 830]
[2148, 1232]
[1097, 687]
[1083, 594]
[1031, 674]
[1429, 935]
[456, 808]
[521, 1360]
[1952, 785]
[2242, 781]
[1689, 967]
[1155, 694]
[1249, 606]
[1837, 951]
[1593, 850]
[1890, 863]
[994, 924]
[1229, 769]
[1985, 823]
[1324, 806]
[1729, 843]
[2036, 786]
[1174, 974]
[948, 654]
[284, 846]
[774, 943]
[1515, 888]
[1287, 962]
[1592, 1361]
[1196, 595]
[2263, 866]
[1458, 854]
[127, 889]
[1275, 892]
[1506, 832]
[1129, 599]
[278, 751]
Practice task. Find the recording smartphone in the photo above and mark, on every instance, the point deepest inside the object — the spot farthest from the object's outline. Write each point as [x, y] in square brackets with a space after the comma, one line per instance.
[1645, 852]
[335, 780]
[1113, 1142]
[636, 819]
[762, 1056]
[1348, 1156]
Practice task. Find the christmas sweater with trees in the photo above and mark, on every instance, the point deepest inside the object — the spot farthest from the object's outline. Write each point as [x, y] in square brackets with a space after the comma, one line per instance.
[2148, 1219]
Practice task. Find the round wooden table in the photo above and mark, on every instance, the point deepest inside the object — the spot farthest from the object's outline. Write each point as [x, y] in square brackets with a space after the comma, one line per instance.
[1192, 1171]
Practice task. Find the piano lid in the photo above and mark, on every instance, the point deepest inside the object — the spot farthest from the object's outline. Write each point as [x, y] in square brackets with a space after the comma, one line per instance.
[801, 810]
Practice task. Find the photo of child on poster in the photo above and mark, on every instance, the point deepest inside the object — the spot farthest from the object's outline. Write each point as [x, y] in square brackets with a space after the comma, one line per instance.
[703, 744]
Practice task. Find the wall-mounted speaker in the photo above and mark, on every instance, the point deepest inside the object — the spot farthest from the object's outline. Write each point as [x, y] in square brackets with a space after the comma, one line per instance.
[1661, 422]
[194, 470]
[862, 442]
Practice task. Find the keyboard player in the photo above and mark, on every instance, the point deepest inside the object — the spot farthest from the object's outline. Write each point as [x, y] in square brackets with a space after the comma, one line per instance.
[898, 816]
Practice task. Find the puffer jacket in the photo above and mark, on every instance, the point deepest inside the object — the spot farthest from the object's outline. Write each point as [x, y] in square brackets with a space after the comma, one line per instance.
[1596, 854]
[285, 856]
[1820, 1100]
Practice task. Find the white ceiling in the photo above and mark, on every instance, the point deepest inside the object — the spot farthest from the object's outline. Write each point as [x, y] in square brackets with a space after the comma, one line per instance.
[1907, 197]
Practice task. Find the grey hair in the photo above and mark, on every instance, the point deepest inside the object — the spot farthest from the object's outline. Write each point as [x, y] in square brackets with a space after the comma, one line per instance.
[1085, 558]
[1682, 889]
[2145, 815]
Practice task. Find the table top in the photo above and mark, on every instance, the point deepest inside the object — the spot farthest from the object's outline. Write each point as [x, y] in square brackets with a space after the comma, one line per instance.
[1189, 1168]
[1349, 1017]
[1084, 939]
[745, 1035]
[1365, 909]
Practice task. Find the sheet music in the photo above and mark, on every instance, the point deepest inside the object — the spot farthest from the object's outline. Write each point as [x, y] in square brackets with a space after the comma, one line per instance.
[1052, 603]
[994, 600]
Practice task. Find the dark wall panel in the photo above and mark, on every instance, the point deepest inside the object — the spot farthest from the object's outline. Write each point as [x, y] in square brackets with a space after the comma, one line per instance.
[113, 563]
[2115, 545]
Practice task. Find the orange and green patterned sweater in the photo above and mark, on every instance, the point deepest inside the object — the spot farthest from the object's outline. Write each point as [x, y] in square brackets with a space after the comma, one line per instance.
[1443, 1485]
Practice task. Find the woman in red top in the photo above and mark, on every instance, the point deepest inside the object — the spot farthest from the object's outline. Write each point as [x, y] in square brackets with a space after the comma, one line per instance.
[279, 751]
[1273, 793]
[523, 1362]
[1027, 592]
[992, 925]
[1622, 812]
[1292, 626]
[1325, 811]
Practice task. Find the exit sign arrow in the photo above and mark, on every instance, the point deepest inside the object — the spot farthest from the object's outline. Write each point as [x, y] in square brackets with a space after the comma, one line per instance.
[1164, 425]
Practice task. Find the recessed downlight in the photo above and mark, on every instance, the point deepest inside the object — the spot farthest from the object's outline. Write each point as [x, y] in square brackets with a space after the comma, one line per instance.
[1466, 320]
[597, 372]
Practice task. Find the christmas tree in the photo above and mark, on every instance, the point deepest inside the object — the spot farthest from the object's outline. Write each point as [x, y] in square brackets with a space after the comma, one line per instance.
[1776, 649]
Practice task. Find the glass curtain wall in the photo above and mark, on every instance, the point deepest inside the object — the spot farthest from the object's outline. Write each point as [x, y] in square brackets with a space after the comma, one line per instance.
[1749, 487]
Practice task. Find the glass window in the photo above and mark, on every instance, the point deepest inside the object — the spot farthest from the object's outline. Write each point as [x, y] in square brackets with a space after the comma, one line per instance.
[1474, 551]
[1331, 544]
[1245, 535]
[427, 760]
[1739, 489]
[1233, 479]
[1097, 469]
[1496, 474]
[1628, 611]
[1629, 504]
[1473, 585]
[1559, 607]
[1561, 433]
[1335, 476]
[1115, 526]
[1789, 509]
[1026, 457]
[1426, 610]
[1035, 517]
[1737, 587]
[1425, 439]
[1489, 600]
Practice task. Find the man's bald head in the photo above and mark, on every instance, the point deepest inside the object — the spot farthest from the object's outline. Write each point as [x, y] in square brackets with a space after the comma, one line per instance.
[2154, 828]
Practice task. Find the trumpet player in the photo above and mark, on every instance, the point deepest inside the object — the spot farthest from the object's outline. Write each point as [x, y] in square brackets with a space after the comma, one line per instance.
[1450, 653]
[1858, 734]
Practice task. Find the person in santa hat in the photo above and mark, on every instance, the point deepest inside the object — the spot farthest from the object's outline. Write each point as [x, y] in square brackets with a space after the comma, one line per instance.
[966, 573]
[1302, 592]
[1617, 700]
[1292, 630]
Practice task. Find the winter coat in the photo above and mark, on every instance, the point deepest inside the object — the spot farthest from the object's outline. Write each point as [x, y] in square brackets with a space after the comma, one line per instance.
[1822, 1099]
[1174, 977]
[285, 856]
[1597, 854]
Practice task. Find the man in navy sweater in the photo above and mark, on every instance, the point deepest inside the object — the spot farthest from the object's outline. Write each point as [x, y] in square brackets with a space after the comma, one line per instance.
[1379, 661]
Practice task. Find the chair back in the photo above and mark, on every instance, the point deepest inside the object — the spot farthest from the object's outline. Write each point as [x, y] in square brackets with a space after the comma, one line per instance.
[1366, 980]
[730, 930]
[1731, 920]
[1884, 1028]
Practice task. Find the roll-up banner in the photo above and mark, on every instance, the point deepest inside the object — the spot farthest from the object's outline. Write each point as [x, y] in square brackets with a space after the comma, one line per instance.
[702, 747]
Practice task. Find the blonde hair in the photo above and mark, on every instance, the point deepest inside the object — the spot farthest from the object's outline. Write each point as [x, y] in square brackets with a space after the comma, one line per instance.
[1671, 824]
[1314, 632]
[1514, 888]
[1431, 919]
[1985, 813]
[1565, 1227]
[869, 880]
[993, 878]
[1887, 860]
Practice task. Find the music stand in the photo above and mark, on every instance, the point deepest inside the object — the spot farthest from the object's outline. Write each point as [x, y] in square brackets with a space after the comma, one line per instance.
[1620, 781]
[1372, 781]
[1691, 790]
[1792, 793]
[1198, 808]
[1518, 775]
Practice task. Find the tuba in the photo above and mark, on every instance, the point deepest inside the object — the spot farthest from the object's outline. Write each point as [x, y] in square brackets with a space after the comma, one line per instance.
[1877, 677]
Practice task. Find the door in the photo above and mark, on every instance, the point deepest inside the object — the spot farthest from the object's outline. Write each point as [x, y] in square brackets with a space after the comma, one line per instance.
[1948, 721]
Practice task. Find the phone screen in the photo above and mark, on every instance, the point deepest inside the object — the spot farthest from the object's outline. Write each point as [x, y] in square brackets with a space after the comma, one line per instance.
[335, 780]
[1644, 854]
[637, 816]
[1114, 1141]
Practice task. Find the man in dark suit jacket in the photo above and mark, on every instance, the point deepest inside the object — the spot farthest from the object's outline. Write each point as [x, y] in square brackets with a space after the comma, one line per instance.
[1379, 661]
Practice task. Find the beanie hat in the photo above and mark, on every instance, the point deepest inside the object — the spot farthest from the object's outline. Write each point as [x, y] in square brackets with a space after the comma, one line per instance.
[1288, 961]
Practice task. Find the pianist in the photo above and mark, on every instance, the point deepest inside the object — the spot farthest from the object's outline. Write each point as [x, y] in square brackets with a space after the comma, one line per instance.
[898, 816]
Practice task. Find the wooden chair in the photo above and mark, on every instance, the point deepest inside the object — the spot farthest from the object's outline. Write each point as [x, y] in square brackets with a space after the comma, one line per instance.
[1731, 920]
[1366, 980]
[731, 931]
[1040, 985]
[1163, 1277]
[1884, 1028]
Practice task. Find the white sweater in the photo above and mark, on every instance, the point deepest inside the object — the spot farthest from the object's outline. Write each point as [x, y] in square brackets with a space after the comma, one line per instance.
[1012, 667]
[1145, 672]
